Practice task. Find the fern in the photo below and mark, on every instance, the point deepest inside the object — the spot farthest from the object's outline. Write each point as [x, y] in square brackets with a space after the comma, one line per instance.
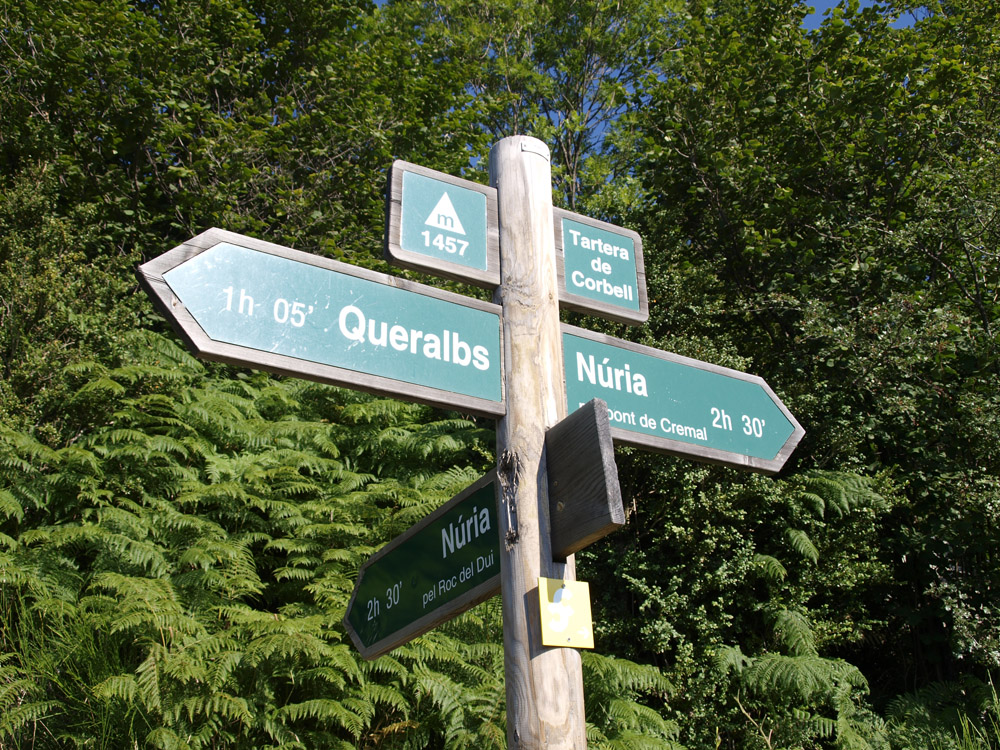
[802, 544]
[841, 492]
[616, 693]
[206, 533]
[799, 694]
[770, 567]
[793, 631]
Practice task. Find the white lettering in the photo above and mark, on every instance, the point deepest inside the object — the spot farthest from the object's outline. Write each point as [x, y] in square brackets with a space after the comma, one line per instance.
[398, 338]
[681, 430]
[597, 245]
[378, 340]
[464, 530]
[432, 346]
[358, 332]
[447, 346]
[480, 357]
[601, 286]
[607, 376]
[461, 353]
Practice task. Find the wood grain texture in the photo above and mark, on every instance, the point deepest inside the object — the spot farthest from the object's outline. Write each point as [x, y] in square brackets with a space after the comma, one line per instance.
[394, 252]
[585, 499]
[150, 276]
[579, 303]
[544, 685]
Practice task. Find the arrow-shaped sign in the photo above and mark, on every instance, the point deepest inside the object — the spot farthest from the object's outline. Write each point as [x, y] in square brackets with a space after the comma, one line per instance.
[240, 300]
[438, 568]
[450, 560]
[673, 404]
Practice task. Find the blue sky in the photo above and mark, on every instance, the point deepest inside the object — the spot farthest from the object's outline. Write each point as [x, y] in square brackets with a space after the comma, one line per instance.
[813, 20]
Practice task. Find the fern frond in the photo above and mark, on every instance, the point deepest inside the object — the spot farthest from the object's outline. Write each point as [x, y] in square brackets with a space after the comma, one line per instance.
[122, 686]
[794, 632]
[102, 385]
[9, 506]
[771, 567]
[25, 452]
[622, 675]
[730, 658]
[802, 544]
[387, 696]
[226, 706]
[841, 491]
[325, 711]
[816, 502]
[820, 725]
[147, 556]
[807, 677]
[19, 716]
[156, 348]
[166, 739]
[148, 682]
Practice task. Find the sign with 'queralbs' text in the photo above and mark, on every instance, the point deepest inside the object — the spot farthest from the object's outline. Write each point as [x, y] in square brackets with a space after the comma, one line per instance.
[243, 301]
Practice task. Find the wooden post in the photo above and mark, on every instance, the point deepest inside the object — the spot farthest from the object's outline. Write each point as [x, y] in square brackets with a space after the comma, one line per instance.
[544, 685]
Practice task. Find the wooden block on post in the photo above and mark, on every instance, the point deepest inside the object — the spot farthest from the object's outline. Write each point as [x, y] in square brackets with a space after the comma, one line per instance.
[585, 499]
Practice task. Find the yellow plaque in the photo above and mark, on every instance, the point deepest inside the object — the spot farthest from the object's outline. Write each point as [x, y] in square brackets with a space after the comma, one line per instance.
[565, 609]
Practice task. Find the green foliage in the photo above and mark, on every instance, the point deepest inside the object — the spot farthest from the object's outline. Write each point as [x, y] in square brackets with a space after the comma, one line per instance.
[178, 541]
[562, 71]
[798, 697]
[718, 590]
[616, 720]
[818, 213]
[184, 565]
[961, 715]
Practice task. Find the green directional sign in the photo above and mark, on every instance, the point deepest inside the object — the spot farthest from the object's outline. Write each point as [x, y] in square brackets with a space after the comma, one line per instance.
[240, 300]
[438, 568]
[601, 269]
[678, 405]
[442, 224]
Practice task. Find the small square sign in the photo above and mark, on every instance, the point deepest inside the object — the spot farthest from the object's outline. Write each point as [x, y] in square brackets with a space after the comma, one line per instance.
[565, 609]
[601, 271]
[443, 221]
[442, 225]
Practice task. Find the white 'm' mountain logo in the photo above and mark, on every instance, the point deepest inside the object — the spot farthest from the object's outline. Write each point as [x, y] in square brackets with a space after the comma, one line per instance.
[443, 216]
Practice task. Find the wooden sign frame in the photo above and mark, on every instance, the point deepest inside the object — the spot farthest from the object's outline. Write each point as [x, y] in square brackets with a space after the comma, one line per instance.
[151, 278]
[394, 252]
[579, 303]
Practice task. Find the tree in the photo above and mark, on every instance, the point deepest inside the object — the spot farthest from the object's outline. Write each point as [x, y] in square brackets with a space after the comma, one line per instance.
[178, 541]
[824, 191]
[563, 72]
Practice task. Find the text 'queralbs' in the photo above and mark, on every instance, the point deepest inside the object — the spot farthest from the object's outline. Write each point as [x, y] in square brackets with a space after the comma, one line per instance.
[240, 300]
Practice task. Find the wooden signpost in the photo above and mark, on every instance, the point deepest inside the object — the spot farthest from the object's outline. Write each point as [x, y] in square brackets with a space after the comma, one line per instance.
[544, 685]
[555, 490]
[240, 300]
[450, 560]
